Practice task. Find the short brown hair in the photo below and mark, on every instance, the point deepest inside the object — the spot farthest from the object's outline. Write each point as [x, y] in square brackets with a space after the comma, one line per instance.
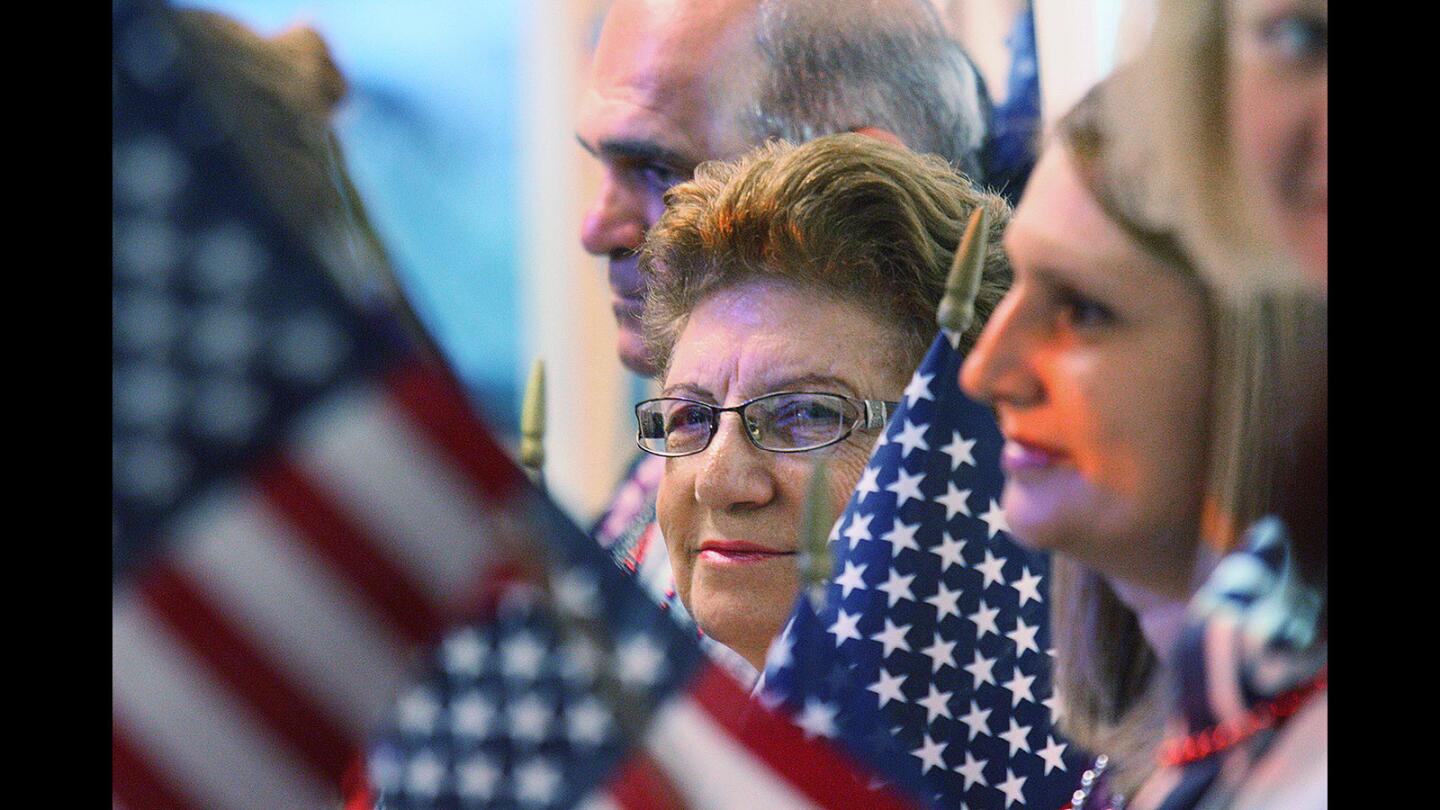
[853, 217]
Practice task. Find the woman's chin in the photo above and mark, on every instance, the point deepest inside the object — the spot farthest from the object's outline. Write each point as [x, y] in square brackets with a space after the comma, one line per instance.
[1041, 511]
[746, 625]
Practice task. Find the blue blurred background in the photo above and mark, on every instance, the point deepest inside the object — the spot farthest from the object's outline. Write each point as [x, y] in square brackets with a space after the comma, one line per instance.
[431, 138]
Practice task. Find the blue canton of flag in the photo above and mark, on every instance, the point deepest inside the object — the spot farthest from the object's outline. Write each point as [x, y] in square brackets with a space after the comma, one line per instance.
[806, 677]
[940, 618]
[539, 702]
[583, 693]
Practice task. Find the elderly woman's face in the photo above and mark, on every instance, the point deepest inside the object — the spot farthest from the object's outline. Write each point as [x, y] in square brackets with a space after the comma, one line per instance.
[1279, 69]
[1097, 364]
[731, 513]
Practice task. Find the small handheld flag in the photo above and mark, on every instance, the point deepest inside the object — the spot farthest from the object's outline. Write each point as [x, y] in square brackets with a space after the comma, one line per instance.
[957, 307]
[934, 617]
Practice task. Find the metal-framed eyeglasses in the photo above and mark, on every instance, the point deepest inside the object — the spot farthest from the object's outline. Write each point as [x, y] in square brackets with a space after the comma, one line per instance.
[782, 422]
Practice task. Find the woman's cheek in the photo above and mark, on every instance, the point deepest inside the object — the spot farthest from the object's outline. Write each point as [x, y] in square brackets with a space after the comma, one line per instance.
[844, 472]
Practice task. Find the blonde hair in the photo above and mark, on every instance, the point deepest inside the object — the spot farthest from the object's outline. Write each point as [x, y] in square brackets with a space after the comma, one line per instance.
[1186, 72]
[1109, 680]
[852, 217]
[1186, 69]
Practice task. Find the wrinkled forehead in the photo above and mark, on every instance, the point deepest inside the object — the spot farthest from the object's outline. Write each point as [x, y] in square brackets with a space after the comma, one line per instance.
[663, 48]
[768, 335]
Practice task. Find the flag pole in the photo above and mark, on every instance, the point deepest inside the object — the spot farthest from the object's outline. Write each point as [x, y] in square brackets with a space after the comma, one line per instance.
[957, 307]
[816, 565]
[532, 425]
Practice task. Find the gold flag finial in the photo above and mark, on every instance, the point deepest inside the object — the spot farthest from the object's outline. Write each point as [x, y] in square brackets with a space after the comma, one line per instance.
[532, 421]
[957, 308]
[816, 565]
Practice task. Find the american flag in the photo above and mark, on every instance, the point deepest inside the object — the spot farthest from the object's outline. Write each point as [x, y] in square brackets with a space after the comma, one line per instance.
[582, 693]
[938, 618]
[300, 502]
[297, 501]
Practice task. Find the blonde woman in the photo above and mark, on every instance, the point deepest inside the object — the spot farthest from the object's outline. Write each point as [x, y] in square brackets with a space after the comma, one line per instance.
[1236, 101]
[1134, 400]
[1239, 91]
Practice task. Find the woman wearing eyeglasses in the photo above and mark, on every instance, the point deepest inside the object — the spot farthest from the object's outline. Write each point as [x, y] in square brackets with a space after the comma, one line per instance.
[791, 295]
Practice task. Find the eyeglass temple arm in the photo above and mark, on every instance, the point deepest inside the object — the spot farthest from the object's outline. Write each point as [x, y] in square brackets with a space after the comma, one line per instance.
[877, 413]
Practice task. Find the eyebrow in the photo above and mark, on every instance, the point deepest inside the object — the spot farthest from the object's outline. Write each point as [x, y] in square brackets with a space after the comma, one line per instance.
[637, 150]
[792, 383]
[799, 382]
[1046, 255]
[695, 391]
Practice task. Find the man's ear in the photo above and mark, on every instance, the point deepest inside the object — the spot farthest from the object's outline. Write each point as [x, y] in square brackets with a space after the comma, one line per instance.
[879, 134]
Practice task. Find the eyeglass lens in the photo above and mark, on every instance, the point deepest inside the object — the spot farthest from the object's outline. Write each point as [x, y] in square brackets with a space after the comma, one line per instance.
[776, 422]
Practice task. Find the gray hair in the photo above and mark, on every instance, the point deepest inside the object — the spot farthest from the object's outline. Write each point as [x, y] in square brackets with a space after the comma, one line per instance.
[834, 67]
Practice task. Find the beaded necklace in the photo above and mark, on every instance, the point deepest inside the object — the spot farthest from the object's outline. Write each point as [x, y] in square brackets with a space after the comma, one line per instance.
[1089, 781]
[1180, 751]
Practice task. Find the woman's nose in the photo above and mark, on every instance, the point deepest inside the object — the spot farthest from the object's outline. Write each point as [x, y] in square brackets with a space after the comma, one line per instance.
[997, 368]
[734, 474]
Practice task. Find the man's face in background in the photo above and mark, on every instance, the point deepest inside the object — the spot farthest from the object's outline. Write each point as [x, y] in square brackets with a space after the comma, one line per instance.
[664, 97]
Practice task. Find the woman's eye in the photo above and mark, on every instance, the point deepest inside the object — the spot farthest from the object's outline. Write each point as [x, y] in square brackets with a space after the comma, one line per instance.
[801, 422]
[1297, 38]
[687, 418]
[1081, 312]
[661, 178]
[820, 412]
[797, 413]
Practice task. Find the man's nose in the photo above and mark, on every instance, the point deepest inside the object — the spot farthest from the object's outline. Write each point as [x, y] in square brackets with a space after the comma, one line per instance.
[616, 220]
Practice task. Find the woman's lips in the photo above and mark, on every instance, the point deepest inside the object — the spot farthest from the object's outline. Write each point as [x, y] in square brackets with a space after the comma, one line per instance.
[738, 552]
[1019, 456]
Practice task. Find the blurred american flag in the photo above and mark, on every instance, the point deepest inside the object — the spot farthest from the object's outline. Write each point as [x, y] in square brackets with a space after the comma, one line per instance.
[300, 502]
[297, 501]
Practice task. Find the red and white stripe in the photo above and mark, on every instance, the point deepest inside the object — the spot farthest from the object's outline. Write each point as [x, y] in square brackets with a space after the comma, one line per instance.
[251, 660]
[713, 747]
[250, 663]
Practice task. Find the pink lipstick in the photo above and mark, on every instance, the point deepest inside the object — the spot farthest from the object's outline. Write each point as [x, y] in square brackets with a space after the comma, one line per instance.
[1019, 456]
[738, 552]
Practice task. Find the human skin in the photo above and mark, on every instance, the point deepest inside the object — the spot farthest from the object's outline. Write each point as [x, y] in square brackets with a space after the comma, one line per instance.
[655, 108]
[1279, 68]
[738, 344]
[1097, 363]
